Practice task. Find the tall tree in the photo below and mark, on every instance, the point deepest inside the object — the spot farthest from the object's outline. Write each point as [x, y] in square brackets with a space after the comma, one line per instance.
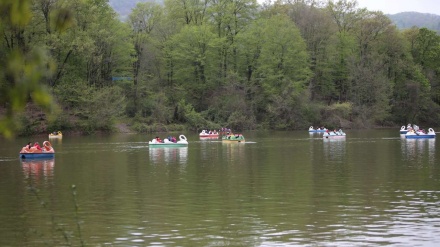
[345, 15]
[23, 65]
[144, 18]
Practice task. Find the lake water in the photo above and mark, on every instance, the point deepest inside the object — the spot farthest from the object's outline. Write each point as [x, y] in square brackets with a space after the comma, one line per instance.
[373, 188]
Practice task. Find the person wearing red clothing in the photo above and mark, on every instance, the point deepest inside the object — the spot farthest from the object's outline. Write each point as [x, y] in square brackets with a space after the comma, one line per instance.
[37, 146]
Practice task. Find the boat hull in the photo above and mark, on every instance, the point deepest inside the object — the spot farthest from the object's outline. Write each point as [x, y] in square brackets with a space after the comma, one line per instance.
[419, 136]
[333, 136]
[158, 145]
[208, 136]
[36, 155]
[233, 141]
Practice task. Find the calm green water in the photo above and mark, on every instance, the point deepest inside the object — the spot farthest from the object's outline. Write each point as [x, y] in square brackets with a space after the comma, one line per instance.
[278, 189]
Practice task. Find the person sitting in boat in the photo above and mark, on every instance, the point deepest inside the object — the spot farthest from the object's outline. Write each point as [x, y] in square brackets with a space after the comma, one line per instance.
[158, 139]
[27, 148]
[38, 148]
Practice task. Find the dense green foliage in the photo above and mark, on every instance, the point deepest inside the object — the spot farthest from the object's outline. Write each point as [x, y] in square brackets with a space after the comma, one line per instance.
[213, 63]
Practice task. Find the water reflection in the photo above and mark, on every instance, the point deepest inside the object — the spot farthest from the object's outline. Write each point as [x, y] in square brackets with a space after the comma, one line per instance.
[234, 151]
[169, 155]
[41, 168]
[417, 149]
[316, 134]
[334, 148]
[56, 140]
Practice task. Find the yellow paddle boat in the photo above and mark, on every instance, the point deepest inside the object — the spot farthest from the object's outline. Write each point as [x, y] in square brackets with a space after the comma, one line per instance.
[56, 135]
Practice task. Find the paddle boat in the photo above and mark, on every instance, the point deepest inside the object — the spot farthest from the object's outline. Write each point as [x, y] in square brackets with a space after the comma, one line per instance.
[208, 134]
[334, 134]
[321, 130]
[56, 135]
[233, 138]
[37, 153]
[419, 134]
[404, 130]
[156, 142]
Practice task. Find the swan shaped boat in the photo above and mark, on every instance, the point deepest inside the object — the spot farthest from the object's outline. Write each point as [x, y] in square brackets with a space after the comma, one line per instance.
[334, 134]
[182, 142]
[420, 134]
[404, 130]
[313, 130]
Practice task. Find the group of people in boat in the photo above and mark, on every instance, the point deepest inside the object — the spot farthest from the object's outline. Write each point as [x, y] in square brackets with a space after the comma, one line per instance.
[234, 136]
[36, 148]
[335, 132]
[415, 129]
[170, 138]
[209, 132]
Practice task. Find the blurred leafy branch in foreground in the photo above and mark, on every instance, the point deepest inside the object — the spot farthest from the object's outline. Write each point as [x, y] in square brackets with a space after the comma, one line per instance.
[23, 68]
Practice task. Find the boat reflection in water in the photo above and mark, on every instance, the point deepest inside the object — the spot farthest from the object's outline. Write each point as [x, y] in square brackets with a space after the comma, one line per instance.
[39, 168]
[334, 149]
[416, 149]
[168, 155]
[234, 151]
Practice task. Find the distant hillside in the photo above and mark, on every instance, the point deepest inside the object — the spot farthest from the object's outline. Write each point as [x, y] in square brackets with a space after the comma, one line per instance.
[407, 20]
[402, 20]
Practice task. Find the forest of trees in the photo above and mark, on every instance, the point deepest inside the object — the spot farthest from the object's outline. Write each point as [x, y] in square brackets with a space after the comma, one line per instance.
[73, 65]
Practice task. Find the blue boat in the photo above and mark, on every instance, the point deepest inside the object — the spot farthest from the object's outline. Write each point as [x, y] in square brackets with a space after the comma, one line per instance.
[36, 155]
[320, 130]
[420, 134]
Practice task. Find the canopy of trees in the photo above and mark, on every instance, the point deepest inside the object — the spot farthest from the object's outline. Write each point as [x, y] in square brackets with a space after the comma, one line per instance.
[213, 63]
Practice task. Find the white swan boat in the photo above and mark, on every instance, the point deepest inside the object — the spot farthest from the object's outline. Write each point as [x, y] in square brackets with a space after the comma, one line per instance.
[182, 142]
[334, 134]
[420, 134]
[404, 130]
[322, 129]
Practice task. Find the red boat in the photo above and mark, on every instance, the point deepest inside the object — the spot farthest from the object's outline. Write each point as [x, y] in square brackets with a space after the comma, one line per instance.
[209, 134]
